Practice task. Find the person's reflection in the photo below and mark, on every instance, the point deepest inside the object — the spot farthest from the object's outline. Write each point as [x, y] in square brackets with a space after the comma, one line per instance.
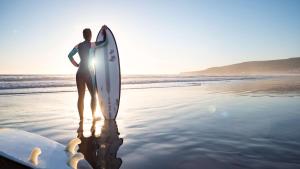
[100, 147]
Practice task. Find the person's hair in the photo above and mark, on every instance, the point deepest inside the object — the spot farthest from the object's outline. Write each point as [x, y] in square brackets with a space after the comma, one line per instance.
[87, 34]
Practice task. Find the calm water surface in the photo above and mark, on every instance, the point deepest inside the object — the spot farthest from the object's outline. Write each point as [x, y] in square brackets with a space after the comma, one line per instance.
[241, 124]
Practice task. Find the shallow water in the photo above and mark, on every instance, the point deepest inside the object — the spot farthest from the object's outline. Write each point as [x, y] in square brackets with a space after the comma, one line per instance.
[250, 123]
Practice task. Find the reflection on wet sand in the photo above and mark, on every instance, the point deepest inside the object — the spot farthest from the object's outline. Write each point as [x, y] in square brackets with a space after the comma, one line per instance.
[269, 86]
[100, 146]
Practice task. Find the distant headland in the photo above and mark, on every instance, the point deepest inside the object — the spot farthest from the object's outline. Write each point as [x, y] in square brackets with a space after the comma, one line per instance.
[289, 66]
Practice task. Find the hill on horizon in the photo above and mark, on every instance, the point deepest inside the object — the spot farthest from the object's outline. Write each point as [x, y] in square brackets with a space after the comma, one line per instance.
[269, 67]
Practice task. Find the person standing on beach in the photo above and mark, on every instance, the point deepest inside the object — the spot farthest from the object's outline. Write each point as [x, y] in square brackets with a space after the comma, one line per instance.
[84, 75]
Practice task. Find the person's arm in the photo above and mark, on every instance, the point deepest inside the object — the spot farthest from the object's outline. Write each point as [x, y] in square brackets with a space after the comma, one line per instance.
[71, 55]
[102, 42]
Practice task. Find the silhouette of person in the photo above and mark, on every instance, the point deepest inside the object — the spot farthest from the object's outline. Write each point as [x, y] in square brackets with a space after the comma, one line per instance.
[84, 75]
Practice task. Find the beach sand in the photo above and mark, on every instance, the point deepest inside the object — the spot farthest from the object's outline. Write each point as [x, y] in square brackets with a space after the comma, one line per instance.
[228, 124]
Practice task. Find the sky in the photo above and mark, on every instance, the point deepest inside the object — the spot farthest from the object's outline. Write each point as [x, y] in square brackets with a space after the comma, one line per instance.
[153, 37]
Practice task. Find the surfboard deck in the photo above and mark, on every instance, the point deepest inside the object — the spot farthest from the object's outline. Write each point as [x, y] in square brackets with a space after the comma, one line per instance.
[108, 75]
[16, 145]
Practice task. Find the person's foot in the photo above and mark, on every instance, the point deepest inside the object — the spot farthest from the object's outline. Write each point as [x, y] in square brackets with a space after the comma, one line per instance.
[96, 118]
[81, 119]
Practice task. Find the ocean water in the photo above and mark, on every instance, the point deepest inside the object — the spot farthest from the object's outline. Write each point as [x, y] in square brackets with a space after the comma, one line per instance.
[181, 122]
[29, 84]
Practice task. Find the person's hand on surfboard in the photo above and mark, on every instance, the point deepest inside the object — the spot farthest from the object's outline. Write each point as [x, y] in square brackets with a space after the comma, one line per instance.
[104, 27]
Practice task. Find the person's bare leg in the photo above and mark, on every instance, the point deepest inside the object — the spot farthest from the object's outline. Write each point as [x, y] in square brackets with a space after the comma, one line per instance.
[81, 91]
[93, 104]
[92, 91]
[80, 106]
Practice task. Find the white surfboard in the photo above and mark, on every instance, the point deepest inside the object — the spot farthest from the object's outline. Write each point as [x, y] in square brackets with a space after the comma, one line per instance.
[17, 146]
[108, 76]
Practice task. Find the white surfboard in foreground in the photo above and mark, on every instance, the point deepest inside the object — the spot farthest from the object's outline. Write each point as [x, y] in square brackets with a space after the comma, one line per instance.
[35, 151]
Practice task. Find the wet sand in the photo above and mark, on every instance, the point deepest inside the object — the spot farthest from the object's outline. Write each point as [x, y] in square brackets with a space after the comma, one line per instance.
[233, 124]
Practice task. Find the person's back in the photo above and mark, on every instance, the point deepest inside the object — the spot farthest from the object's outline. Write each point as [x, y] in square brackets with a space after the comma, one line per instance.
[83, 51]
[84, 76]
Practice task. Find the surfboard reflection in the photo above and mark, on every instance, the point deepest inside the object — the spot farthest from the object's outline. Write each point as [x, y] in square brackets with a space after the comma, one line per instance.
[101, 147]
